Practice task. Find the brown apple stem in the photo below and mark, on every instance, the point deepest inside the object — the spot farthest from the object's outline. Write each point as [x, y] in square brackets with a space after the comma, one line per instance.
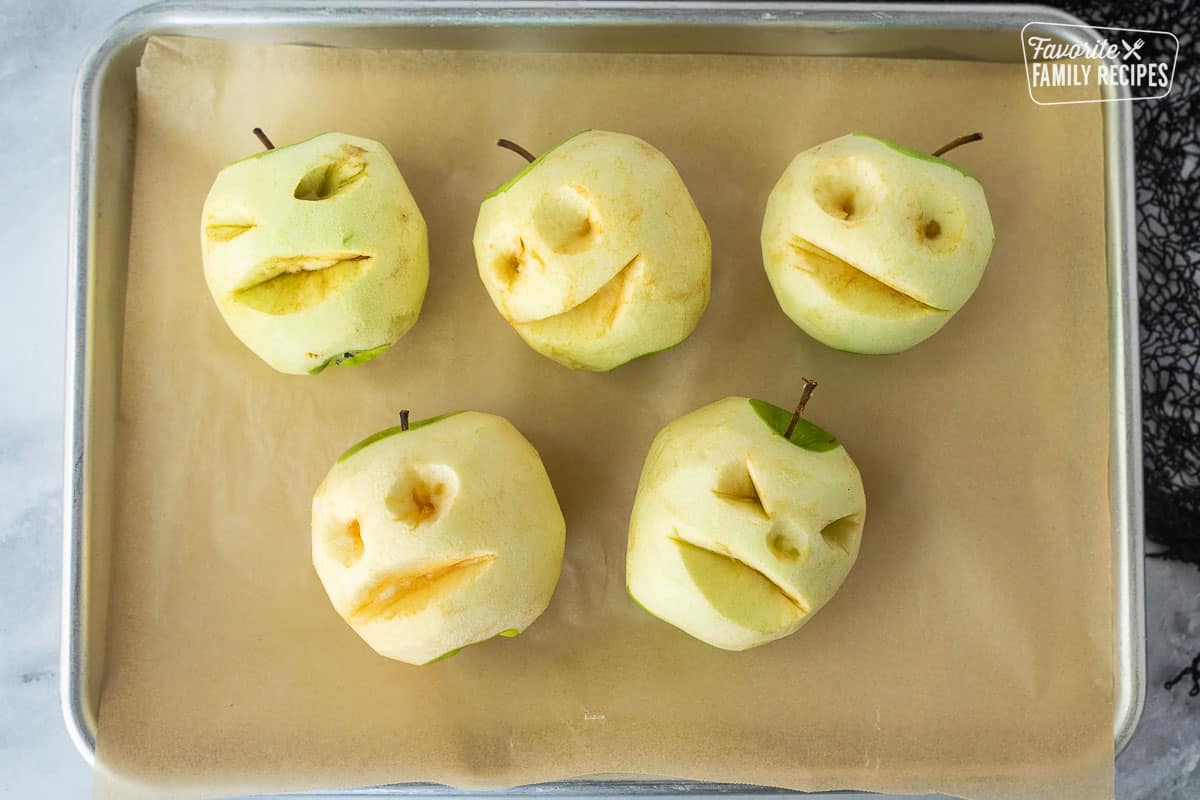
[948, 146]
[809, 387]
[404, 419]
[262, 137]
[508, 144]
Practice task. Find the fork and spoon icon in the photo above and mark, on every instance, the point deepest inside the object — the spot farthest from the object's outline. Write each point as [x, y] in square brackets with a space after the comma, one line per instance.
[1132, 50]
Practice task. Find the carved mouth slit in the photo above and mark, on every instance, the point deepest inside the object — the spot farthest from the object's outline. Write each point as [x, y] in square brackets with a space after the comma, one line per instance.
[408, 593]
[605, 305]
[850, 282]
[600, 312]
[735, 562]
[287, 284]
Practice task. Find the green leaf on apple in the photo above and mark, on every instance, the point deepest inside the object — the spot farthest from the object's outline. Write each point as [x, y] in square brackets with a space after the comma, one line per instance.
[806, 434]
[383, 434]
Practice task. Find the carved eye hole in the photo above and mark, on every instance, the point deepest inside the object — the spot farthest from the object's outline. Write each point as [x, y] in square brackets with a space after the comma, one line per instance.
[939, 223]
[736, 485]
[226, 231]
[422, 494]
[842, 532]
[846, 190]
[343, 541]
[334, 175]
[509, 265]
[567, 220]
[842, 203]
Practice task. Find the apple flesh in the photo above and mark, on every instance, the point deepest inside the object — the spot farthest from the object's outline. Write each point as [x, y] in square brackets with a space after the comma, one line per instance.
[739, 535]
[316, 254]
[595, 252]
[871, 247]
[435, 536]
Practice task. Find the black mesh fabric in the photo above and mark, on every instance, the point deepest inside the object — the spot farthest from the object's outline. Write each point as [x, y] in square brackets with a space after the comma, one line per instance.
[1167, 132]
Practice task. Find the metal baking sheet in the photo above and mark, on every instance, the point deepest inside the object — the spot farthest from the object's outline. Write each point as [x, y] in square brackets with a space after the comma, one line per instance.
[102, 169]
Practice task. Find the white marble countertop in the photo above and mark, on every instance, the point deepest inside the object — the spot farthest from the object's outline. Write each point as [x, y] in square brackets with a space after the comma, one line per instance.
[41, 46]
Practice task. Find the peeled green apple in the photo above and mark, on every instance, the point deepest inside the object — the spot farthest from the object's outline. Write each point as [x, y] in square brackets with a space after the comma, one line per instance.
[315, 253]
[872, 247]
[438, 535]
[739, 534]
[596, 253]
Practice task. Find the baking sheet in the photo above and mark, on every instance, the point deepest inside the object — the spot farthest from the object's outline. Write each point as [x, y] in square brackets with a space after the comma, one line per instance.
[969, 652]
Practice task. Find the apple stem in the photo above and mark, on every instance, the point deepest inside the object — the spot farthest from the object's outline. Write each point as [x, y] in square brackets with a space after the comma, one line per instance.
[948, 146]
[262, 137]
[809, 387]
[404, 419]
[509, 144]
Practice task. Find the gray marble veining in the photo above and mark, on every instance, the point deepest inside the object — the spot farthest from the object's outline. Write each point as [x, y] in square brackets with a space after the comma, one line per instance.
[41, 44]
[1162, 762]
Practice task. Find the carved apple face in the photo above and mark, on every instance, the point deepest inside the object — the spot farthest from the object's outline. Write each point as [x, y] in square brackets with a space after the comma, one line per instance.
[738, 535]
[316, 253]
[871, 247]
[595, 253]
[437, 537]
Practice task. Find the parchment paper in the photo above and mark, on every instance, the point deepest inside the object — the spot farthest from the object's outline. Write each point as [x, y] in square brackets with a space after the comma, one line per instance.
[968, 652]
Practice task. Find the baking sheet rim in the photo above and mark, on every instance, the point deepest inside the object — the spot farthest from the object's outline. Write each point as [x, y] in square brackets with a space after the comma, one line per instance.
[1125, 476]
